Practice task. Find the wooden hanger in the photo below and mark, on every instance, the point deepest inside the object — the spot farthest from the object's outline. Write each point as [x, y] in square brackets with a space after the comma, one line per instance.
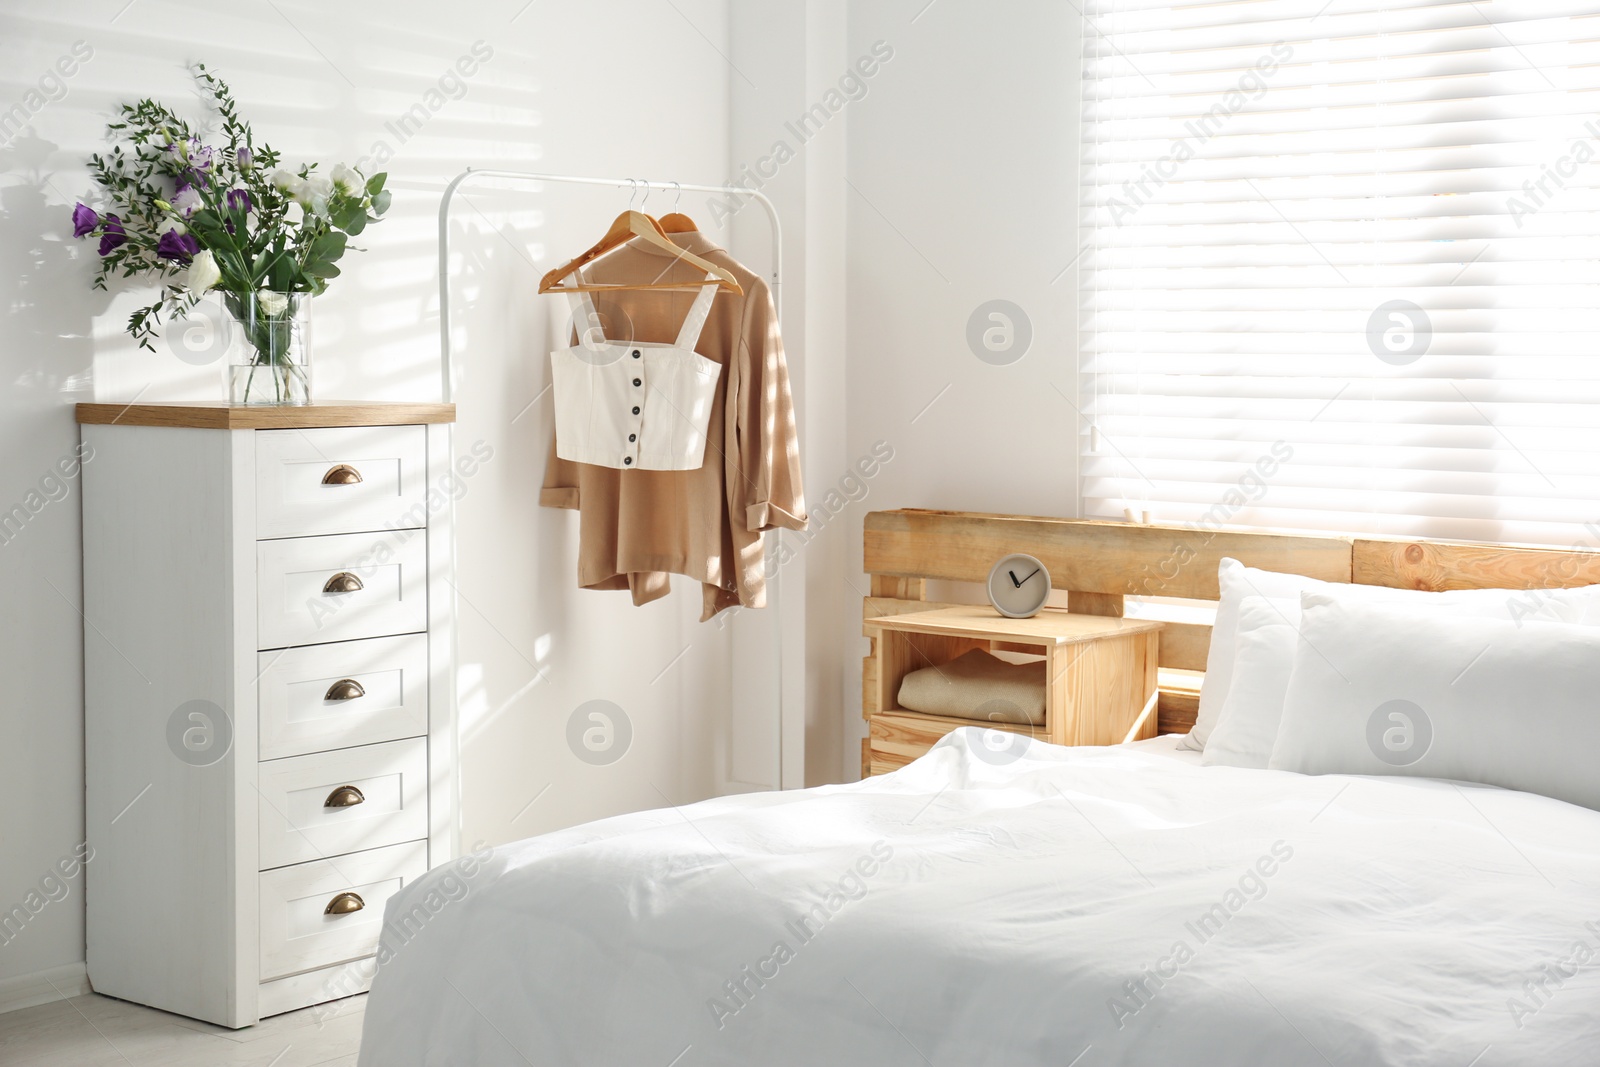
[636, 226]
[677, 222]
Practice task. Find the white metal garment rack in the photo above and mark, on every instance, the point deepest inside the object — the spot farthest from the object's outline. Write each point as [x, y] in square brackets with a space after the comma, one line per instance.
[791, 710]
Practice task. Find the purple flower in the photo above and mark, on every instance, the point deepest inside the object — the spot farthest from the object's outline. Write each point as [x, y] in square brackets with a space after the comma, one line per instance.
[195, 159]
[239, 200]
[112, 235]
[84, 220]
[245, 159]
[197, 154]
[176, 246]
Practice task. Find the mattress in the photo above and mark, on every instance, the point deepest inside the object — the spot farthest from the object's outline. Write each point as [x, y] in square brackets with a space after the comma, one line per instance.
[1049, 906]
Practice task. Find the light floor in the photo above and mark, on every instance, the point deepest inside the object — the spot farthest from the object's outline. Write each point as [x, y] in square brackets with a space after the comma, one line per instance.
[96, 1031]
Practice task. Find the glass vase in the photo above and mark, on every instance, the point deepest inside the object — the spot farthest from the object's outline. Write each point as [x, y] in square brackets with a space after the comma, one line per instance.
[271, 350]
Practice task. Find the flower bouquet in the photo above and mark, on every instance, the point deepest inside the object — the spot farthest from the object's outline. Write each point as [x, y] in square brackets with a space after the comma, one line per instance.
[227, 217]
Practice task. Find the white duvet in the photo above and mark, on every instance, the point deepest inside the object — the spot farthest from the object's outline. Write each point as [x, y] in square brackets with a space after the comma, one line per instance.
[1075, 906]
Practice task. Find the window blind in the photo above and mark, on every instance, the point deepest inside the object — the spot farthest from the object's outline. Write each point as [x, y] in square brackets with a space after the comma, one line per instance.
[1339, 265]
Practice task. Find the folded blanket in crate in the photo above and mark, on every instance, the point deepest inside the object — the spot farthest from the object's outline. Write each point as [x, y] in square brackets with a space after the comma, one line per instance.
[978, 685]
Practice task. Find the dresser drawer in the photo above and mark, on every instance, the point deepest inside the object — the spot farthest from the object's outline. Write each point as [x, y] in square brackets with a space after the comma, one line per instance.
[297, 932]
[345, 479]
[320, 697]
[300, 582]
[305, 812]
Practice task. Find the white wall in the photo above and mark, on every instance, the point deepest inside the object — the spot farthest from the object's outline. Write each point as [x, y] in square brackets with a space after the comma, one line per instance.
[608, 87]
[963, 177]
[791, 55]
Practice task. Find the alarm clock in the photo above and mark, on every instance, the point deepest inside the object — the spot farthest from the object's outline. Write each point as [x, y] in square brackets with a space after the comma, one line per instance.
[1018, 586]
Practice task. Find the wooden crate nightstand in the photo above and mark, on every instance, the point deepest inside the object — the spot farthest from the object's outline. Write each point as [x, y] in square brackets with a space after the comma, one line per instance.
[1100, 676]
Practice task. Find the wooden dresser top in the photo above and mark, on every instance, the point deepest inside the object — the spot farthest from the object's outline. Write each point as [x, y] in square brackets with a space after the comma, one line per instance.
[219, 415]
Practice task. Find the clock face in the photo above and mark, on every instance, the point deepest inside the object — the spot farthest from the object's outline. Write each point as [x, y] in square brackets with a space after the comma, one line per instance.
[1018, 586]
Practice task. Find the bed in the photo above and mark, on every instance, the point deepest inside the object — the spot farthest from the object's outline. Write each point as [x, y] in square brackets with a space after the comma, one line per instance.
[1116, 905]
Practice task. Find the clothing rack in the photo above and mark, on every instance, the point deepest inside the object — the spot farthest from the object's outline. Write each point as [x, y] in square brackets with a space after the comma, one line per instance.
[790, 764]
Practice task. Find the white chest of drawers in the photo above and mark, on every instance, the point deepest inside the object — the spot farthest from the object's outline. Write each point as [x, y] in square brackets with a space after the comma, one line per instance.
[269, 694]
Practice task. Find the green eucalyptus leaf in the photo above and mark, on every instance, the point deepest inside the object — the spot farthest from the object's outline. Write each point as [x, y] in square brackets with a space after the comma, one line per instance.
[350, 217]
[330, 246]
[375, 183]
[380, 201]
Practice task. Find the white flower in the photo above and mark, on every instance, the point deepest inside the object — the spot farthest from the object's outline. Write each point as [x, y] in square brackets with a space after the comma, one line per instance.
[272, 304]
[314, 188]
[172, 225]
[186, 201]
[203, 272]
[287, 182]
[347, 180]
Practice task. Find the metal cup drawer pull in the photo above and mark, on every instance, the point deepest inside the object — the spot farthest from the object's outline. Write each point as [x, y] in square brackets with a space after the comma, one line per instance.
[343, 474]
[343, 582]
[345, 689]
[346, 796]
[344, 904]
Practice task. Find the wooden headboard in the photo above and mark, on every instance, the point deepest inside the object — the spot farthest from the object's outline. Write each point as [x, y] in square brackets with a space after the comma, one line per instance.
[1099, 563]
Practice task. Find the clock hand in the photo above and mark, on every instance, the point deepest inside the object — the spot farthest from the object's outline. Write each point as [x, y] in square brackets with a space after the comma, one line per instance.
[1019, 584]
[1014, 579]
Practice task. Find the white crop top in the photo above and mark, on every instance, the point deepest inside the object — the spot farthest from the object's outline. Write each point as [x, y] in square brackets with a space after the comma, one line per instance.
[639, 405]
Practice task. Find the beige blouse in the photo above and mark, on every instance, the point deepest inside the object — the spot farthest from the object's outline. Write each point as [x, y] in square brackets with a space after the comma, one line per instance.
[637, 526]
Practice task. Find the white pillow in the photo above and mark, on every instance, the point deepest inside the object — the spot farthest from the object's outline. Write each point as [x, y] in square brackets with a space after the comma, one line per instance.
[1268, 636]
[1236, 581]
[1268, 631]
[1387, 689]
